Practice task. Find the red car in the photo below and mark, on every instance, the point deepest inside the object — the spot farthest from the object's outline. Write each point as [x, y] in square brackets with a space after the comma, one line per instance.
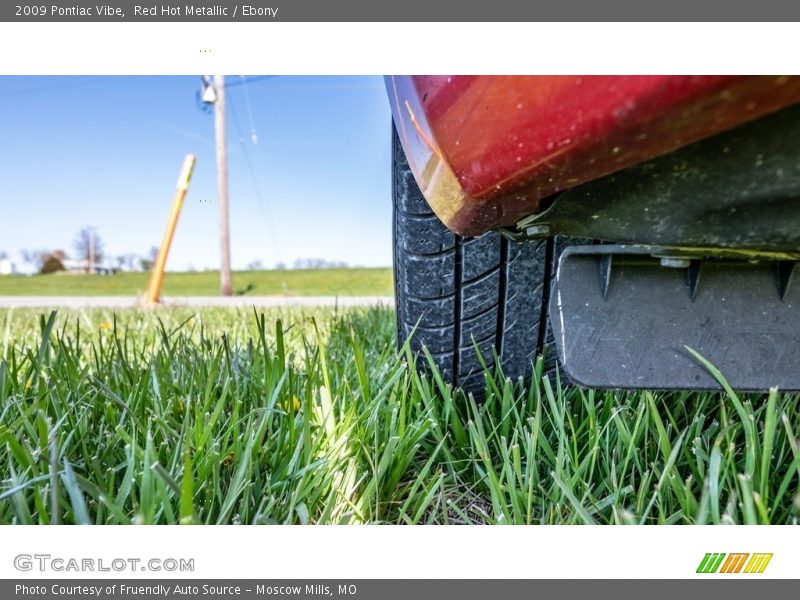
[639, 228]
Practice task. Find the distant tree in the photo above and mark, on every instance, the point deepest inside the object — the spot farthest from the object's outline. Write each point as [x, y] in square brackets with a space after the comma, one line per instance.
[132, 261]
[256, 265]
[319, 263]
[88, 245]
[306, 263]
[147, 262]
[280, 266]
[35, 258]
[45, 261]
[3, 254]
[52, 264]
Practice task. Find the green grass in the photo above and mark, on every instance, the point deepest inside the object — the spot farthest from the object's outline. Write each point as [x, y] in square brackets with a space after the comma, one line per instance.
[303, 282]
[222, 416]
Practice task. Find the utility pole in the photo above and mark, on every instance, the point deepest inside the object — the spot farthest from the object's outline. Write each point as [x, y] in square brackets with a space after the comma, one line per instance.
[91, 250]
[226, 288]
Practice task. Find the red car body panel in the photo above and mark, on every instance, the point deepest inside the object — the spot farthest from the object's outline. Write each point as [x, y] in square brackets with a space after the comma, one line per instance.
[486, 150]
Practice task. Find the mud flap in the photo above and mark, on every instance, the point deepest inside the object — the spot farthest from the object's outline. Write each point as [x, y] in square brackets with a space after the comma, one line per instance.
[625, 319]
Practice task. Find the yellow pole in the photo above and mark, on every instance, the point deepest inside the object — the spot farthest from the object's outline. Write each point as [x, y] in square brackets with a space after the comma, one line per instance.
[157, 274]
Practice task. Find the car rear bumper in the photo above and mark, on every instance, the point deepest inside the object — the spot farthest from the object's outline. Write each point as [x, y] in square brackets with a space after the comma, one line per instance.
[486, 150]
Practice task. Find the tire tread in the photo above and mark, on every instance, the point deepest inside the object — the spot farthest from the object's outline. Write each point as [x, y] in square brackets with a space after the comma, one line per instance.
[455, 293]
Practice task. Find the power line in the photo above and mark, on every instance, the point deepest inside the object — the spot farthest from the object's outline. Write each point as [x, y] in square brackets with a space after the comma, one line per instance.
[253, 134]
[257, 188]
[244, 80]
[204, 100]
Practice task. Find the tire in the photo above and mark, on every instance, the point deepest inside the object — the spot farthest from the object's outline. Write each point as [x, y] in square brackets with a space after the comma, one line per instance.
[454, 293]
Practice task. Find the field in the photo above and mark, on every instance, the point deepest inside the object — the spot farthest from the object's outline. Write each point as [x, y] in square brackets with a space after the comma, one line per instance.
[302, 282]
[299, 416]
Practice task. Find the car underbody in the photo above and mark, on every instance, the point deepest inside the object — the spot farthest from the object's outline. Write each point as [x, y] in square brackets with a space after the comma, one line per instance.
[673, 225]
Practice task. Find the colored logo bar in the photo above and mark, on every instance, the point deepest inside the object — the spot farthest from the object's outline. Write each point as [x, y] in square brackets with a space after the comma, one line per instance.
[736, 562]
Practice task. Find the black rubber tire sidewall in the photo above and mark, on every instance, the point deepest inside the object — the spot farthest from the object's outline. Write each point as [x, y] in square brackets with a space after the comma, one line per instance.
[456, 294]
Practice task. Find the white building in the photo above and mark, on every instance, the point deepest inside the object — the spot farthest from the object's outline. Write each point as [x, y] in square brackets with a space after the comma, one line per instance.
[7, 267]
[82, 266]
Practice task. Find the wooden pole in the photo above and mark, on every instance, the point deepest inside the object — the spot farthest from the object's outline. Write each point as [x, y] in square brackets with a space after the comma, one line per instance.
[91, 250]
[157, 274]
[226, 288]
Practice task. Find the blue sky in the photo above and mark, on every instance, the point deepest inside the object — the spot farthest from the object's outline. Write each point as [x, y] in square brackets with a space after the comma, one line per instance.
[106, 151]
